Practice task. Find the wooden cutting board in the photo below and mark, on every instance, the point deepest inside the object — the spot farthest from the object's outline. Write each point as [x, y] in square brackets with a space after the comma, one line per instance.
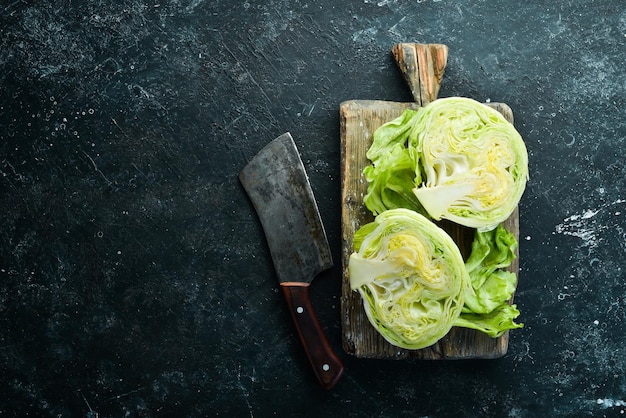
[423, 67]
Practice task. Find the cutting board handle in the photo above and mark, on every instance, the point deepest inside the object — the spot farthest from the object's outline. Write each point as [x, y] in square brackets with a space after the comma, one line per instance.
[422, 66]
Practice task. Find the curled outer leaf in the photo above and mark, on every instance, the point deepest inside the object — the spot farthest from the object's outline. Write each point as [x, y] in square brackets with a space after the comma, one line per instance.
[494, 324]
[487, 301]
[393, 173]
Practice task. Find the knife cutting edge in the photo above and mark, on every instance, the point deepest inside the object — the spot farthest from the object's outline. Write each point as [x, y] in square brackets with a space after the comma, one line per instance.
[278, 186]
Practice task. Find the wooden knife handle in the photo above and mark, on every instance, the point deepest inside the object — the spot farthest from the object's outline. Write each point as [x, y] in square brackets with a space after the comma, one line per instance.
[327, 366]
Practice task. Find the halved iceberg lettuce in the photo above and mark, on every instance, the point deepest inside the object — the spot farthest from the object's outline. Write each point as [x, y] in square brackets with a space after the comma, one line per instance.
[411, 277]
[454, 159]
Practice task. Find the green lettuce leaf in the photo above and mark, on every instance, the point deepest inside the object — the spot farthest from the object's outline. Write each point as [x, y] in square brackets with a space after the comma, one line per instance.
[486, 305]
[392, 176]
[492, 252]
[494, 324]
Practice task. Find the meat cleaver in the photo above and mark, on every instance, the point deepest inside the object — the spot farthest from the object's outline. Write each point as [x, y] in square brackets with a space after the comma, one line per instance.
[278, 186]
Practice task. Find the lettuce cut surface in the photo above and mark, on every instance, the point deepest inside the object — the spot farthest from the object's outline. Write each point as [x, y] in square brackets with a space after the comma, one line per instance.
[411, 277]
[454, 159]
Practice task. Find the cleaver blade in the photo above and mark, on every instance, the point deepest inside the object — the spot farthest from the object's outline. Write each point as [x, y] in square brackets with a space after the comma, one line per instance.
[278, 186]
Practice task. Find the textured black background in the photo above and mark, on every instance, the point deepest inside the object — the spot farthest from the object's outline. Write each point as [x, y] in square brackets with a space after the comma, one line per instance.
[134, 276]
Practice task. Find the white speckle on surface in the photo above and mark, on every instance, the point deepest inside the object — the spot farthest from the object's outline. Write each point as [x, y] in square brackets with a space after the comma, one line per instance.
[609, 403]
[584, 226]
[364, 36]
[589, 213]
[299, 309]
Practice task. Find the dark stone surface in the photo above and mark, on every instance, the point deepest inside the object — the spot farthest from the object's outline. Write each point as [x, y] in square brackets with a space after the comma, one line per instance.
[134, 276]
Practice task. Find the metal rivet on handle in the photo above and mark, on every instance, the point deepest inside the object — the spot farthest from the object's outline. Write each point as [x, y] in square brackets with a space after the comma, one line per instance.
[299, 309]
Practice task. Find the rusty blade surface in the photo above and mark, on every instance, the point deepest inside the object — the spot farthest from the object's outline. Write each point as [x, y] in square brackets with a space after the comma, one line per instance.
[278, 186]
